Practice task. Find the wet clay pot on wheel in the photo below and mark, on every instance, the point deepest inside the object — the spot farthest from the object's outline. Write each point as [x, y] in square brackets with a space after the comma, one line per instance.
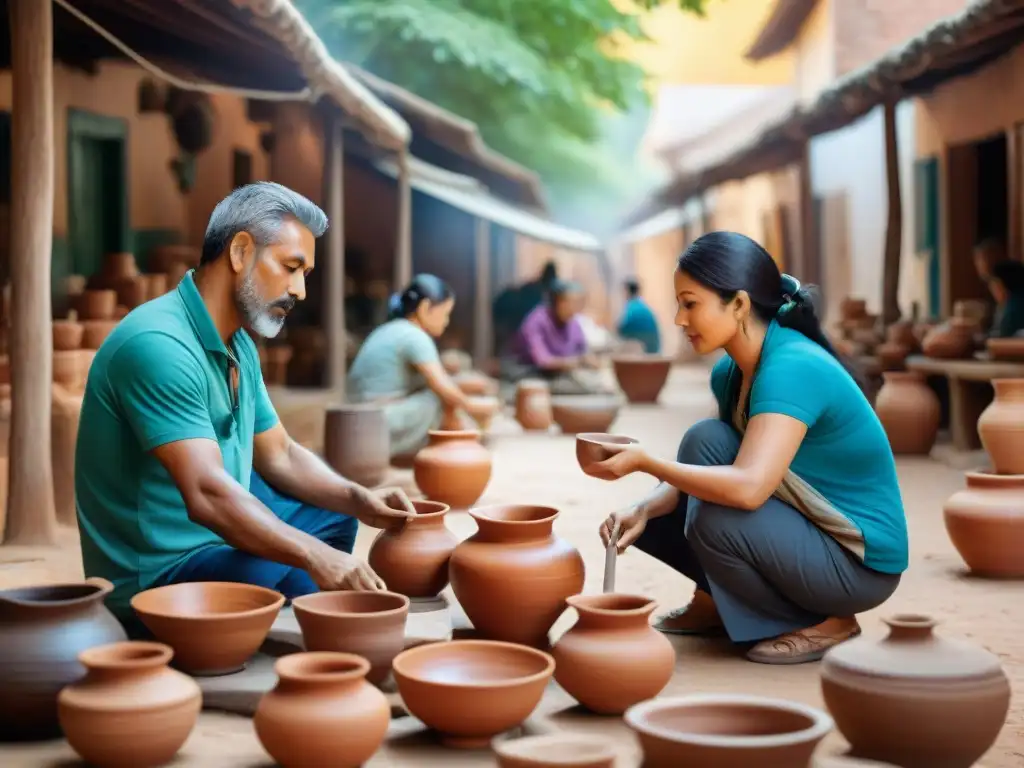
[44, 629]
[642, 377]
[554, 750]
[1001, 427]
[985, 522]
[369, 624]
[533, 405]
[454, 468]
[612, 658]
[909, 411]
[591, 449]
[322, 712]
[914, 698]
[513, 575]
[131, 710]
[414, 560]
[727, 731]
[356, 443]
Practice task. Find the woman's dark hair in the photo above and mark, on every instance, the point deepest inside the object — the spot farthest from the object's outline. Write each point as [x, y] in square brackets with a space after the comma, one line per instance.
[422, 288]
[1010, 274]
[559, 287]
[728, 262]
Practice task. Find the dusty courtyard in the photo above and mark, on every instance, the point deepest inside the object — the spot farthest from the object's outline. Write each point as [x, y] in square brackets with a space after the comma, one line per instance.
[542, 469]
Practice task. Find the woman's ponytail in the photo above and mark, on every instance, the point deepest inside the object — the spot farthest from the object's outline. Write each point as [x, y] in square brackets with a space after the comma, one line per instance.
[422, 288]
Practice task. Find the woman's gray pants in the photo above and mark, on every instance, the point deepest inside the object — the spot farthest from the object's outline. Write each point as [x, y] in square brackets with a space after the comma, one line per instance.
[770, 570]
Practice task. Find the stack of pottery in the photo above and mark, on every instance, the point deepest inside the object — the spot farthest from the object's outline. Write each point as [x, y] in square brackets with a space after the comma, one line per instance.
[909, 411]
[985, 521]
[68, 369]
[97, 311]
[858, 333]
[357, 444]
[454, 468]
[642, 377]
[533, 405]
[120, 273]
[952, 340]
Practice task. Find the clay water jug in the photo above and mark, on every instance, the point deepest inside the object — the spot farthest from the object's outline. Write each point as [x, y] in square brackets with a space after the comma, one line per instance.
[985, 522]
[914, 698]
[513, 575]
[44, 630]
[130, 710]
[1001, 427]
[357, 444]
[909, 411]
[612, 658]
[414, 560]
[454, 468]
[322, 712]
[533, 405]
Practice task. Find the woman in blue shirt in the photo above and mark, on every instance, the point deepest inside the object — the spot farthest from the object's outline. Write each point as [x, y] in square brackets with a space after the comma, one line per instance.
[785, 510]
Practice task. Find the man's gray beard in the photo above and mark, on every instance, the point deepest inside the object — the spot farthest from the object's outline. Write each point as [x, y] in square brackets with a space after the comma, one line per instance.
[257, 311]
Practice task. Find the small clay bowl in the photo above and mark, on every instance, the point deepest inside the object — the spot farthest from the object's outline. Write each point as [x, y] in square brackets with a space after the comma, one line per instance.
[471, 690]
[368, 624]
[725, 730]
[591, 449]
[214, 627]
[584, 413]
[554, 750]
[1011, 348]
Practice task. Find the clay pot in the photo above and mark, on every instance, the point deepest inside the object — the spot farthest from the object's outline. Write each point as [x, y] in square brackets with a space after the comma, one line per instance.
[163, 257]
[727, 731]
[67, 369]
[322, 712]
[96, 305]
[612, 658]
[214, 627]
[67, 335]
[368, 624]
[533, 405]
[117, 266]
[951, 340]
[513, 575]
[472, 690]
[985, 522]
[482, 409]
[454, 468]
[909, 411]
[95, 332]
[175, 274]
[44, 630]
[591, 449]
[131, 709]
[902, 332]
[851, 308]
[1001, 427]
[892, 356]
[476, 383]
[132, 291]
[642, 377]
[357, 444]
[1011, 349]
[554, 750]
[414, 560]
[914, 698]
[584, 413]
[156, 285]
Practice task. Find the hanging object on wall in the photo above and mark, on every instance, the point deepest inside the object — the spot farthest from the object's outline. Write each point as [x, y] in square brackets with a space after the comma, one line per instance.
[267, 140]
[184, 169]
[151, 96]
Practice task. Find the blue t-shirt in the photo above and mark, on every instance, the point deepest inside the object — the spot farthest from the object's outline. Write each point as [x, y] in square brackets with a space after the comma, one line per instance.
[639, 324]
[845, 454]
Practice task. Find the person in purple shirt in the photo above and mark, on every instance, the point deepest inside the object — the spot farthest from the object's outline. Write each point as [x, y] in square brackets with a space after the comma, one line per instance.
[550, 345]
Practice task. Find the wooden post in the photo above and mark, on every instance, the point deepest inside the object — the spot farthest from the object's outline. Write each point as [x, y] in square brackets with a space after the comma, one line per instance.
[809, 269]
[894, 225]
[483, 333]
[1014, 156]
[31, 517]
[403, 247]
[334, 292]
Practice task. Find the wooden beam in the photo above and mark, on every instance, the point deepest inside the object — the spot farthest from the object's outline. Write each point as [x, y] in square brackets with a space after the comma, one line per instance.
[31, 515]
[894, 224]
[1014, 158]
[334, 277]
[403, 244]
[483, 332]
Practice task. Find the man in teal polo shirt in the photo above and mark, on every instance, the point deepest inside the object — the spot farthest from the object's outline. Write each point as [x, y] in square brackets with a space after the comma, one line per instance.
[183, 471]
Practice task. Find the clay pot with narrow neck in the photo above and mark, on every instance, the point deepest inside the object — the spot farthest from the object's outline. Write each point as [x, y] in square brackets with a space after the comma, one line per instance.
[131, 710]
[454, 468]
[985, 522]
[909, 411]
[914, 698]
[322, 712]
[357, 444]
[953, 339]
[513, 575]
[612, 658]
[533, 405]
[44, 630]
[414, 560]
[642, 377]
[1001, 427]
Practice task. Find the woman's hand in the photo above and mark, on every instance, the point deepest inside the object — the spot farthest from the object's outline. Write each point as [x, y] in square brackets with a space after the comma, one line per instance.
[631, 523]
[626, 460]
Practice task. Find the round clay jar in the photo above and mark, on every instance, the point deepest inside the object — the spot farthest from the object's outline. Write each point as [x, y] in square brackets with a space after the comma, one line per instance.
[985, 522]
[953, 339]
[454, 468]
[533, 405]
[414, 560]
[1001, 427]
[909, 411]
[641, 377]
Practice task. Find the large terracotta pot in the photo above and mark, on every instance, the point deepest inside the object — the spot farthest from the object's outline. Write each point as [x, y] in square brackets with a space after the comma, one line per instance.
[357, 444]
[44, 630]
[96, 332]
[96, 304]
[454, 468]
[952, 340]
[67, 335]
[914, 698]
[533, 405]
[909, 411]
[414, 560]
[131, 709]
[322, 712]
[1001, 427]
[642, 377]
[985, 522]
[612, 658]
[513, 575]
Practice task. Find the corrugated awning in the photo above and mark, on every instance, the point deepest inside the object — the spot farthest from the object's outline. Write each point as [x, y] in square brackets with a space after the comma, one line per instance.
[469, 195]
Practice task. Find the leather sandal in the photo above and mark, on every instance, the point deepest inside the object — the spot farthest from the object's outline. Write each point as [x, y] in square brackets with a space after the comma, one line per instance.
[672, 623]
[798, 647]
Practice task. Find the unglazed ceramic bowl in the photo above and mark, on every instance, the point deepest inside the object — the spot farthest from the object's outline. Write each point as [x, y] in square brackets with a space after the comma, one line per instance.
[591, 449]
[585, 413]
[471, 690]
[214, 627]
[554, 750]
[727, 731]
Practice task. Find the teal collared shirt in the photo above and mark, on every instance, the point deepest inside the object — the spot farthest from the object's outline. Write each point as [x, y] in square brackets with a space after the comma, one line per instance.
[163, 375]
[845, 454]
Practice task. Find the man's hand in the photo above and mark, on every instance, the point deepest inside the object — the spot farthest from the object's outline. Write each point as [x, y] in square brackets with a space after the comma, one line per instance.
[387, 508]
[334, 570]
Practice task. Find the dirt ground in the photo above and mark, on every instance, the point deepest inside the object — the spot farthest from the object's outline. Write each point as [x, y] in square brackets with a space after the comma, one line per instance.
[542, 469]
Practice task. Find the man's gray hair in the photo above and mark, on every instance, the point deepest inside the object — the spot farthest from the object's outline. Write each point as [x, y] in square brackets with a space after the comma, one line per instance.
[259, 209]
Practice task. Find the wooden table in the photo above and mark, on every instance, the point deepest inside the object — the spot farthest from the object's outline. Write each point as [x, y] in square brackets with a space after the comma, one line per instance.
[970, 391]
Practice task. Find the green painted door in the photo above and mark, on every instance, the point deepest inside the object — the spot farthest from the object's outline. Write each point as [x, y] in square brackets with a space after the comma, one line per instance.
[926, 199]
